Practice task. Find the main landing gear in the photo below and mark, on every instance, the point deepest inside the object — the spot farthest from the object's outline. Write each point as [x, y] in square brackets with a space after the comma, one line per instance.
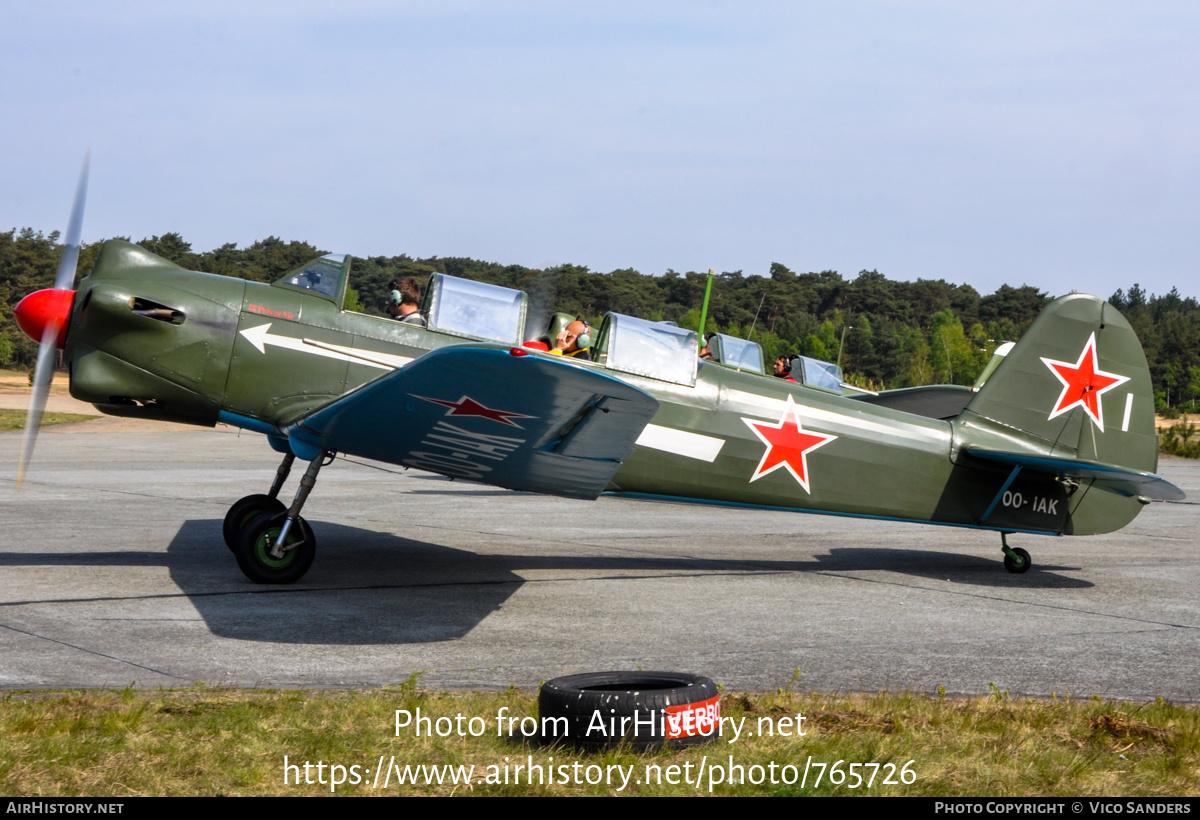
[1016, 560]
[272, 543]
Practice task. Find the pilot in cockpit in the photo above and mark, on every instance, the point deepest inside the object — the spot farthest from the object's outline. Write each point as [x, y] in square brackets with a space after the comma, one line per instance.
[566, 336]
[404, 301]
[783, 369]
[309, 279]
[574, 340]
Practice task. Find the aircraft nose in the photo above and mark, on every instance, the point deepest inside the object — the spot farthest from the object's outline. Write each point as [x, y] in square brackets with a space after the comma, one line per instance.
[43, 309]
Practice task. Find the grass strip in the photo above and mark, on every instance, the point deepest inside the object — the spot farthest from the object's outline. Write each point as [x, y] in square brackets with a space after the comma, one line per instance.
[15, 419]
[233, 742]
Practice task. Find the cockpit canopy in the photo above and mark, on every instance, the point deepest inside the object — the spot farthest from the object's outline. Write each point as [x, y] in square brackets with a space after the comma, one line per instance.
[653, 349]
[459, 307]
[475, 310]
[735, 353]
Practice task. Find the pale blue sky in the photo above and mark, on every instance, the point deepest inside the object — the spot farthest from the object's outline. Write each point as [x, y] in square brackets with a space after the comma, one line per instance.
[1054, 144]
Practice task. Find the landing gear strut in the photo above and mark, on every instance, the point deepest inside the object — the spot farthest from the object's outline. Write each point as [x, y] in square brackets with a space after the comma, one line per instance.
[246, 508]
[1016, 560]
[273, 544]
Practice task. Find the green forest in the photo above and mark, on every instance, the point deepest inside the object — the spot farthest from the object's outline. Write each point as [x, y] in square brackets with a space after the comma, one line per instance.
[885, 333]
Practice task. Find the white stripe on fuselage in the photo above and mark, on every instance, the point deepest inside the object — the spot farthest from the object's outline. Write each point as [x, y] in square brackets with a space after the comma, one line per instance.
[681, 442]
[827, 419]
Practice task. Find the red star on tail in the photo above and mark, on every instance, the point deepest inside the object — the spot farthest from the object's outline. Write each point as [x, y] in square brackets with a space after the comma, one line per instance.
[788, 445]
[467, 406]
[1083, 384]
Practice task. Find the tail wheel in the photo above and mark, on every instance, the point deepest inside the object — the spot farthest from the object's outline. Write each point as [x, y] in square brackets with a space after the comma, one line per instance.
[256, 541]
[1017, 561]
[242, 511]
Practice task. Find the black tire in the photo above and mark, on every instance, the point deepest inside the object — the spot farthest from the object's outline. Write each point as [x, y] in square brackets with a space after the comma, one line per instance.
[255, 540]
[1018, 567]
[242, 511]
[658, 708]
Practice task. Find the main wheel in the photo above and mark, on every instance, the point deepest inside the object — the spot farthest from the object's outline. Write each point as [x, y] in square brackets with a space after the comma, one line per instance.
[1022, 564]
[242, 511]
[254, 549]
[643, 709]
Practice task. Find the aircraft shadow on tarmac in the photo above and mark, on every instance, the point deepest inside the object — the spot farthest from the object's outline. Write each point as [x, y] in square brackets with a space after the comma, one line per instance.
[371, 588]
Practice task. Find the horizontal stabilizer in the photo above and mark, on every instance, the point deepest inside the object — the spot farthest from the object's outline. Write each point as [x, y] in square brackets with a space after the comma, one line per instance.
[521, 421]
[1120, 480]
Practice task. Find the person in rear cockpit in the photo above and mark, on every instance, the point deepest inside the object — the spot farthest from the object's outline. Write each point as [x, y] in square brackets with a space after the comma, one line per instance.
[783, 369]
[574, 341]
[404, 302]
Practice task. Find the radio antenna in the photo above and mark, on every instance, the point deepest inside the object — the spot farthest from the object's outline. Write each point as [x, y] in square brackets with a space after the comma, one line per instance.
[750, 335]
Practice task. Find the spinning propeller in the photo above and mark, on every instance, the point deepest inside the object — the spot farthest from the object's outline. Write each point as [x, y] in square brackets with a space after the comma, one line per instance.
[43, 316]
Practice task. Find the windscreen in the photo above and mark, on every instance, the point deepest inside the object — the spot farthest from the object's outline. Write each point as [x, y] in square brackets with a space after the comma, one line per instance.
[323, 276]
[821, 374]
[741, 354]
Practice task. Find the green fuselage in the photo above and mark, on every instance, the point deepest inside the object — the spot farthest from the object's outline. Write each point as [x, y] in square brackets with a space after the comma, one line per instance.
[149, 339]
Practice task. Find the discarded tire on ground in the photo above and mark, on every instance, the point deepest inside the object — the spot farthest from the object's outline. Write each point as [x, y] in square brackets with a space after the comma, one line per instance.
[642, 709]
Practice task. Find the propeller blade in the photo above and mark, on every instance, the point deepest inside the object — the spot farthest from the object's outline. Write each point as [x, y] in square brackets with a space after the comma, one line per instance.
[70, 256]
[43, 372]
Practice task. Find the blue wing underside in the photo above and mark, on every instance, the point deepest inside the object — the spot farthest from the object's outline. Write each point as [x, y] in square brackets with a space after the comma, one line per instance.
[522, 421]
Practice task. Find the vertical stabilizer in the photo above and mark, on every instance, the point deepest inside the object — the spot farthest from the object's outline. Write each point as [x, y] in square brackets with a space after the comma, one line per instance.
[1076, 385]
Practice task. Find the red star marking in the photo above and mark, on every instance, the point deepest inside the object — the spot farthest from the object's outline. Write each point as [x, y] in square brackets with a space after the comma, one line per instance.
[1083, 384]
[788, 445]
[467, 406]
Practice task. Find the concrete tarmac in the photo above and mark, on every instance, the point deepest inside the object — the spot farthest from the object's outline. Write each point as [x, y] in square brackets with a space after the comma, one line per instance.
[113, 573]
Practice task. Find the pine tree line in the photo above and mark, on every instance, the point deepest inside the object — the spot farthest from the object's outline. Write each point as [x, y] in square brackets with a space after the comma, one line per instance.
[885, 333]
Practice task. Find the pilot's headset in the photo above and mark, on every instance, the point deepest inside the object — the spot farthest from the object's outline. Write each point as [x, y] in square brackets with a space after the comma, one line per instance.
[584, 340]
[394, 298]
[559, 322]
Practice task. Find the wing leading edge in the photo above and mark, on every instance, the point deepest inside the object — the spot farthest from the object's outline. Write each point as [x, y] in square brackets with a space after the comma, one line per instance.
[513, 420]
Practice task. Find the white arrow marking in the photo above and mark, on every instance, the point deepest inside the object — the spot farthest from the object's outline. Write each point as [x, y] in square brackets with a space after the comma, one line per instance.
[260, 337]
